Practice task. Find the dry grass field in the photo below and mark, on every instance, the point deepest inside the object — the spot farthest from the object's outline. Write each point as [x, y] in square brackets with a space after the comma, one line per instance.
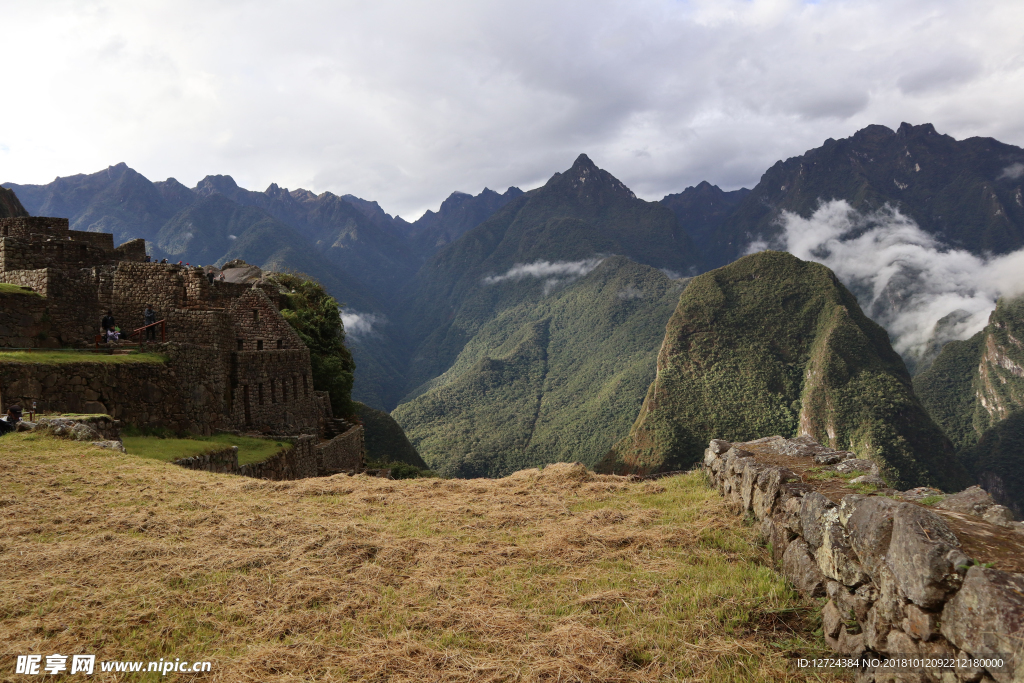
[546, 575]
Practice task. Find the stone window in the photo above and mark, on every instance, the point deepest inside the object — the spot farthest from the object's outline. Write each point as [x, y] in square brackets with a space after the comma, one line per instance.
[255, 315]
[280, 343]
[241, 345]
[259, 344]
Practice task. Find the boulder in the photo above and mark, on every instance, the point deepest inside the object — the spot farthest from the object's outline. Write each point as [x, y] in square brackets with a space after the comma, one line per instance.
[857, 465]
[924, 556]
[802, 570]
[113, 445]
[920, 624]
[767, 488]
[812, 507]
[749, 483]
[777, 535]
[971, 501]
[835, 557]
[84, 432]
[986, 618]
[869, 525]
[999, 515]
[719, 446]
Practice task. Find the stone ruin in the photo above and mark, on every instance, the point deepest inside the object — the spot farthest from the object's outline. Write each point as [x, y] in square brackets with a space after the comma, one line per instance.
[234, 363]
[919, 585]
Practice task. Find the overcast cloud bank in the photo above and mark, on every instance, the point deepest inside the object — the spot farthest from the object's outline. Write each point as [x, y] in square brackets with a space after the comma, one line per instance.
[905, 279]
[403, 102]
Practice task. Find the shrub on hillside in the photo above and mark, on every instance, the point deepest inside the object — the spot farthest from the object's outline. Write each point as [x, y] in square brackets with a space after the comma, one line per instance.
[316, 317]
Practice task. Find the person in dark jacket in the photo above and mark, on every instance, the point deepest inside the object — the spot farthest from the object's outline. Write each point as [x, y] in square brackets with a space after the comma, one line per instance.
[10, 423]
[107, 325]
[148, 318]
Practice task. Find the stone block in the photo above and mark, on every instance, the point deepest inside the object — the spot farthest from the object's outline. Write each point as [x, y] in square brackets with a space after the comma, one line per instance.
[924, 555]
[800, 568]
[986, 617]
[831, 620]
[812, 508]
[919, 623]
[869, 525]
[835, 556]
[999, 515]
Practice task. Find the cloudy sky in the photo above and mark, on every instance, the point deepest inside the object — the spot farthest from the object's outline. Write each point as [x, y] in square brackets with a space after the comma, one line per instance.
[403, 102]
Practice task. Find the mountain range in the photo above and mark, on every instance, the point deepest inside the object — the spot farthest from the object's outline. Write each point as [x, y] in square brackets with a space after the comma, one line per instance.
[506, 330]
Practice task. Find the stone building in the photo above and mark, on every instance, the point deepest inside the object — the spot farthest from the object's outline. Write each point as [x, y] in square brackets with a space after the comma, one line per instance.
[233, 361]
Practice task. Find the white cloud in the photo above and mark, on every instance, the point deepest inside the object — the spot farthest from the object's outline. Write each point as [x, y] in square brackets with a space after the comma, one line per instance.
[361, 324]
[546, 269]
[403, 101]
[630, 292]
[554, 273]
[904, 278]
[1013, 171]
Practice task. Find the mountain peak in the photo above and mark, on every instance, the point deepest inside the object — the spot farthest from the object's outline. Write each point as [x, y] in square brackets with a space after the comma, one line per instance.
[585, 177]
[224, 184]
[583, 162]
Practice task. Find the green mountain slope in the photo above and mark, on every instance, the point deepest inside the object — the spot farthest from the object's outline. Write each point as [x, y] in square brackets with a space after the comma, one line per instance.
[579, 215]
[967, 193]
[774, 345]
[553, 380]
[384, 440]
[975, 391]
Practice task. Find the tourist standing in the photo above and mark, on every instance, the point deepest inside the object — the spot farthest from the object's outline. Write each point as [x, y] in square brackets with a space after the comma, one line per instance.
[148, 318]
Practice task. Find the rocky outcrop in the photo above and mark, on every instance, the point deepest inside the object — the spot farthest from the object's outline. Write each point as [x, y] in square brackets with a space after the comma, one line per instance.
[900, 578]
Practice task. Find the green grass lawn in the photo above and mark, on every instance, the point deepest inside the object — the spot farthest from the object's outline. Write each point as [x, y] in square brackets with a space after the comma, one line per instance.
[15, 289]
[60, 357]
[250, 449]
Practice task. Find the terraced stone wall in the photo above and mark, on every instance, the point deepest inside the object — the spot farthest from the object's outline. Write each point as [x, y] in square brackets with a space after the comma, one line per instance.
[189, 393]
[307, 458]
[901, 579]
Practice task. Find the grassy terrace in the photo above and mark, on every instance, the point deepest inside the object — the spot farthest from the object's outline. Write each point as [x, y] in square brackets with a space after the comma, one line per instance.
[6, 288]
[553, 574]
[249, 449]
[61, 357]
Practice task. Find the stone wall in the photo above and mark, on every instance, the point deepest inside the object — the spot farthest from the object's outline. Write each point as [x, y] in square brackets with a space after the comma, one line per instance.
[258, 325]
[900, 578]
[223, 461]
[187, 394]
[306, 458]
[101, 240]
[273, 389]
[18, 253]
[24, 322]
[27, 226]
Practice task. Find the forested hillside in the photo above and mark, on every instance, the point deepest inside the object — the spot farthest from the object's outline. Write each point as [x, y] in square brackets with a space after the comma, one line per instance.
[770, 345]
[559, 379]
